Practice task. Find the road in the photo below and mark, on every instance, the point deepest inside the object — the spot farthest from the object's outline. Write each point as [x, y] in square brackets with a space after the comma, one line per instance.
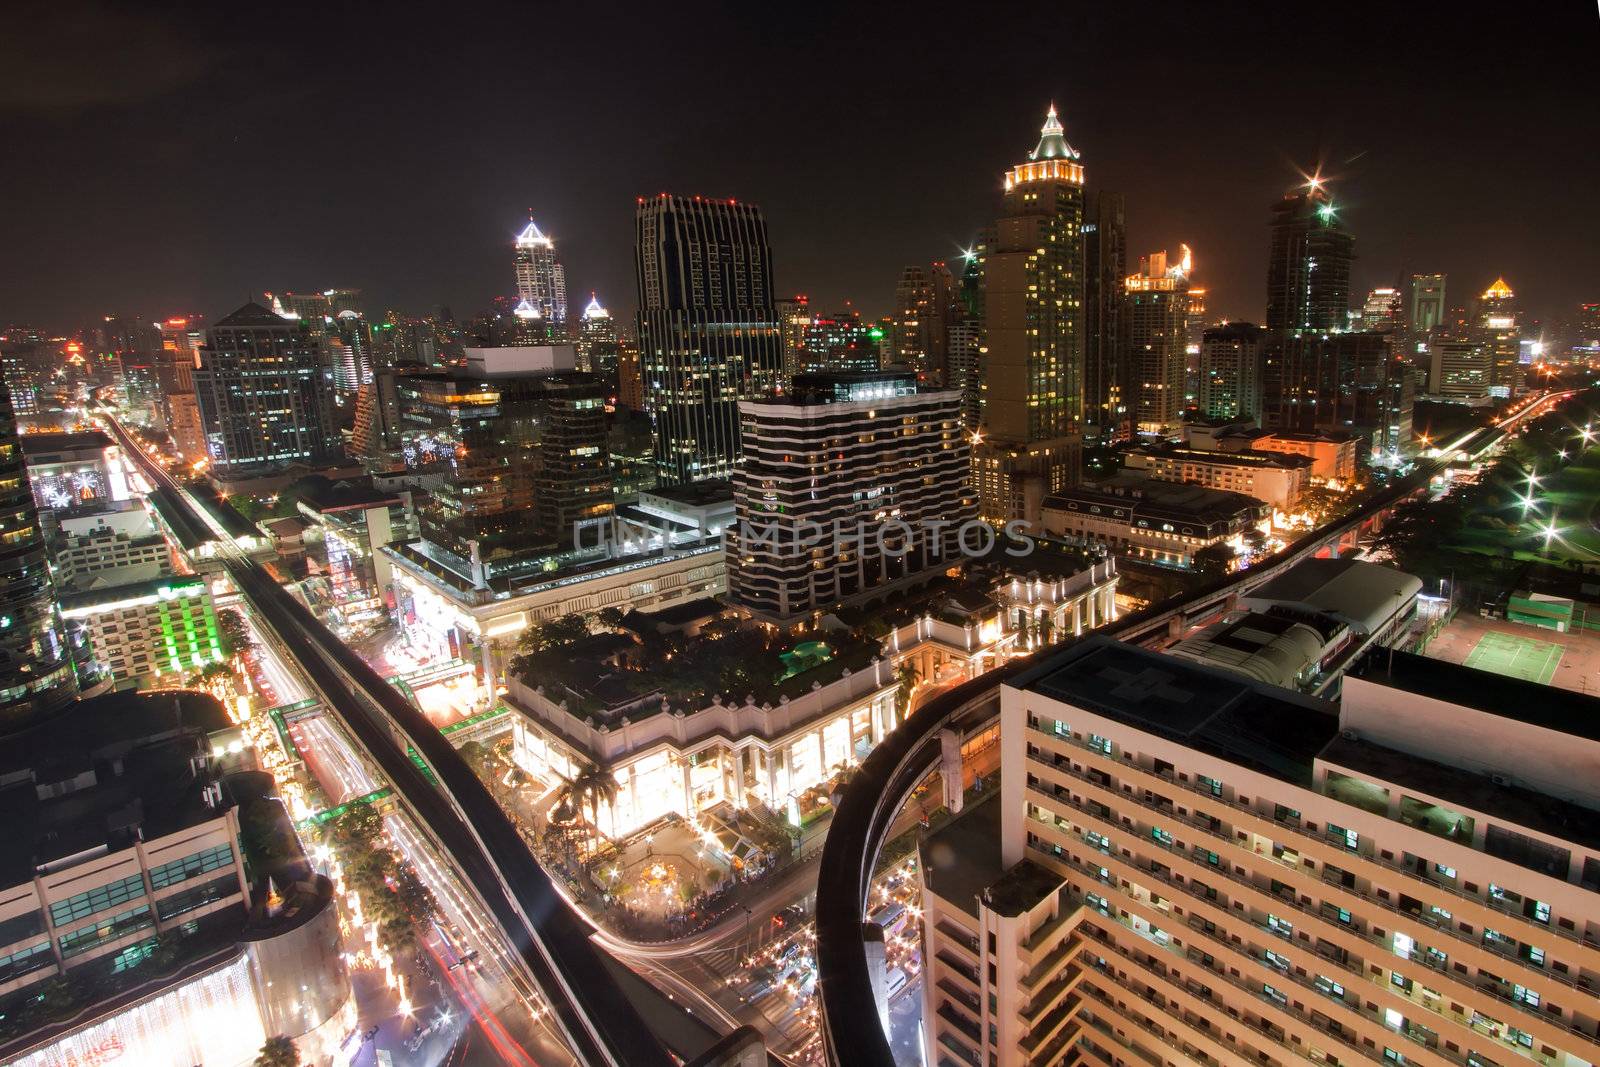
[457, 812]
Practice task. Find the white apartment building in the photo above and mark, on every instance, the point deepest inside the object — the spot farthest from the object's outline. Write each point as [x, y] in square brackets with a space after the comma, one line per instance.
[118, 544]
[1275, 477]
[850, 484]
[1189, 867]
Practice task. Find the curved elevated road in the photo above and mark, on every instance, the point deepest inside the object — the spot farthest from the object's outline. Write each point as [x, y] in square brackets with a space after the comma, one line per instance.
[853, 1035]
[599, 1023]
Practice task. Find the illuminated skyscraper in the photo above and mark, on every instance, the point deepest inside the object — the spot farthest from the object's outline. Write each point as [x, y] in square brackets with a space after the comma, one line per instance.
[263, 398]
[1157, 321]
[597, 341]
[1030, 441]
[1426, 312]
[913, 319]
[709, 334]
[36, 672]
[1105, 386]
[541, 281]
[1499, 331]
[1308, 270]
[1381, 312]
[1230, 372]
[794, 315]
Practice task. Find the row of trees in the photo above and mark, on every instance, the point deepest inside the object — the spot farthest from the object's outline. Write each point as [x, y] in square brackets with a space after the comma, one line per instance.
[394, 897]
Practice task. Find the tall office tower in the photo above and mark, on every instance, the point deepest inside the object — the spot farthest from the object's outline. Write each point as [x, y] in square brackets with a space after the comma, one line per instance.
[317, 310]
[36, 674]
[964, 339]
[630, 375]
[1173, 874]
[841, 342]
[1194, 325]
[1459, 369]
[946, 312]
[709, 334]
[1382, 312]
[1308, 269]
[913, 320]
[1352, 382]
[28, 361]
[794, 315]
[518, 434]
[1105, 255]
[1156, 308]
[541, 281]
[1499, 330]
[870, 459]
[597, 341]
[350, 343]
[1031, 441]
[1230, 371]
[1426, 310]
[262, 395]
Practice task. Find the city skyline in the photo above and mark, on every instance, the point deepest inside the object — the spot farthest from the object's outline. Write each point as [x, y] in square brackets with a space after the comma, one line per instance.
[1214, 166]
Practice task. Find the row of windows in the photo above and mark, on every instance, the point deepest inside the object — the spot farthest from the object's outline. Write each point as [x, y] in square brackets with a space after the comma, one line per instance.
[96, 900]
[181, 870]
[89, 937]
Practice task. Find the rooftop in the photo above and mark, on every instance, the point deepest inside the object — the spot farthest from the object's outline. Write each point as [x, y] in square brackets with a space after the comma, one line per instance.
[1364, 594]
[138, 781]
[1243, 458]
[321, 495]
[1267, 729]
[39, 447]
[962, 858]
[1195, 502]
[1021, 889]
[1549, 707]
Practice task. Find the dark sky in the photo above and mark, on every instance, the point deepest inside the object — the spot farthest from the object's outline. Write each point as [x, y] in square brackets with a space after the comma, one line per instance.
[157, 163]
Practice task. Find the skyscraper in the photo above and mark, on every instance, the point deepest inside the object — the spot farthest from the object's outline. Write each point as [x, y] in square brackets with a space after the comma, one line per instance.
[1381, 312]
[1354, 382]
[541, 281]
[864, 454]
[1157, 318]
[36, 672]
[263, 397]
[1230, 372]
[709, 334]
[913, 319]
[1426, 311]
[1030, 441]
[597, 340]
[1308, 268]
[794, 315]
[1105, 388]
[1499, 331]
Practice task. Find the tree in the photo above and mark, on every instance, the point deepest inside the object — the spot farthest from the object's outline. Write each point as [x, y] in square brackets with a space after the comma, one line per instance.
[907, 676]
[1214, 561]
[357, 830]
[278, 1052]
[611, 617]
[587, 789]
[553, 633]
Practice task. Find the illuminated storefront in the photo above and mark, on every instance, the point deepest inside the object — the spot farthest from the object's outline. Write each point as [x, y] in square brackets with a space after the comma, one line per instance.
[213, 1020]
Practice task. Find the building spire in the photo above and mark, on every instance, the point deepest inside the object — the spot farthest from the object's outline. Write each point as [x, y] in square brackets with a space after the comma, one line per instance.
[1052, 139]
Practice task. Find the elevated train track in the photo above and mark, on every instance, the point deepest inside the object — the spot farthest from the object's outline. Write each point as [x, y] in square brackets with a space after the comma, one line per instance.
[853, 1035]
[599, 1023]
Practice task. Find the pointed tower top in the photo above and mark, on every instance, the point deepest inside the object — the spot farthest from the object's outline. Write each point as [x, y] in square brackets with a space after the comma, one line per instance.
[525, 310]
[1498, 291]
[531, 236]
[594, 310]
[1052, 140]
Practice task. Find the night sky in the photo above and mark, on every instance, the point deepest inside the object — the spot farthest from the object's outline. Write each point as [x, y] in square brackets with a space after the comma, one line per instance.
[158, 164]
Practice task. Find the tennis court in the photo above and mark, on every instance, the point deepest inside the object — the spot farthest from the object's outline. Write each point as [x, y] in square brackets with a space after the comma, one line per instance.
[1515, 657]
